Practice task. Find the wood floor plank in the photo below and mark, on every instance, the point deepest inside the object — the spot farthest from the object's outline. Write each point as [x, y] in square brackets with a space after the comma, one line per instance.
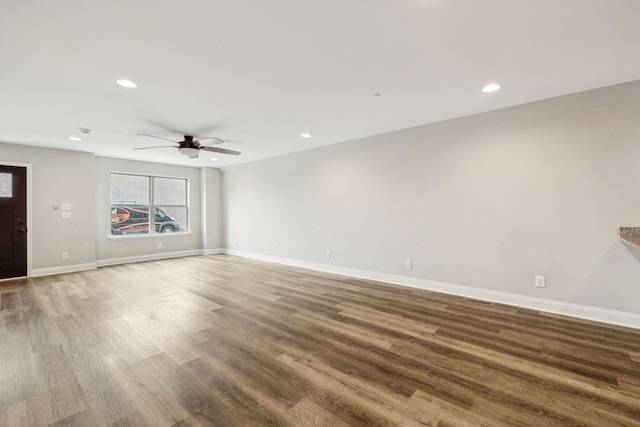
[104, 397]
[350, 329]
[155, 405]
[362, 403]
[229, 404]
[58, 385]
[387, 320]
[309, 414]
[133, 420]
[15, 414]
[558, 402]
[226, 341]
[17, 380]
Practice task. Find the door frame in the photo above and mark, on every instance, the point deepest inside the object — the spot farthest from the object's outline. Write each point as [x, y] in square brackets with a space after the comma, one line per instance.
[29, 214]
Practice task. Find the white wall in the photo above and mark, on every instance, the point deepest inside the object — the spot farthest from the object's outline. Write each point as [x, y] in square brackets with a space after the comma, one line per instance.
[109, 250]
[487, 201]
[83, 180]
[58, 176]
[212, 209]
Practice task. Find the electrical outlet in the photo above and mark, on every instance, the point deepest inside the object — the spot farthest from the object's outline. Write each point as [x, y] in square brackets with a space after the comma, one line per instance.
[65, 255]
[541, 282]
[236, 242]
[408, 264]
[275, 247]
[65, 214]
[160, 245]
[328, 254]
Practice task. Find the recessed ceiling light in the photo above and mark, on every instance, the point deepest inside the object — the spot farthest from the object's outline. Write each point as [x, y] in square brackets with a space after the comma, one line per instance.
[306, 135]
[75, 138]
[491, 88]
[214, 159]
[127, 83]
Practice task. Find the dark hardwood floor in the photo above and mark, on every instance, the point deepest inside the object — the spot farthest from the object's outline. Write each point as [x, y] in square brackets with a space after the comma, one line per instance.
[225, 341]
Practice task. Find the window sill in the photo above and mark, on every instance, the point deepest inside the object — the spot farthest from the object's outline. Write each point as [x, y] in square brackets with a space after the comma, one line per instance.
[148, 236]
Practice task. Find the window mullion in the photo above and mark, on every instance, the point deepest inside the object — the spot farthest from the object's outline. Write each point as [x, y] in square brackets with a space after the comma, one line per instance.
[152, 208]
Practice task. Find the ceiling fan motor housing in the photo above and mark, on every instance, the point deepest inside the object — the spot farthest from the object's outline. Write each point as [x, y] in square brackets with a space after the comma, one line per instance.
[189, 142]
[189, 147]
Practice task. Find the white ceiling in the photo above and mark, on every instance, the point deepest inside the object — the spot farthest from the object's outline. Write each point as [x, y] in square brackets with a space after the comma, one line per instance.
[260, 73]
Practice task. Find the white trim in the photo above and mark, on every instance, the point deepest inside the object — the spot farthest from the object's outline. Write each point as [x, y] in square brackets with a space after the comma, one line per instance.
[63, 269]
[29, 167]
[216, 251]
[134, 236]
[7, 279]
[150, 257]
[564, 308]
[152, 199]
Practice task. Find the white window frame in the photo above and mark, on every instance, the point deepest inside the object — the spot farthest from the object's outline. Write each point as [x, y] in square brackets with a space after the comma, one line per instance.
[153, 234]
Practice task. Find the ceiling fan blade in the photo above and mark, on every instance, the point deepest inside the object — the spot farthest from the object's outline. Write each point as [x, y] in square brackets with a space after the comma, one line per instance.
[214, 140]
[161, 125]
[157, 137]
[221, 150]
[213, 129]
[158, 146]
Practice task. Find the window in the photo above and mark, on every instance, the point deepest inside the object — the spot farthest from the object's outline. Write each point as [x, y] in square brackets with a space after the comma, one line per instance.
[134, 196]
[6, 185]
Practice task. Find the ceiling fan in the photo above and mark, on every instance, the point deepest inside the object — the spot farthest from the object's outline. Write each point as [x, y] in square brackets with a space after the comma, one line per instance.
[191, 147]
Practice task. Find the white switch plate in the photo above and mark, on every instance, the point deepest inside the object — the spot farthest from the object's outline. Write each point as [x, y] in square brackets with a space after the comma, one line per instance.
[65, 206]
[65, 214]
[275, 247]
[541, 282]
[408, 264]
[328, 254]
[65, 255]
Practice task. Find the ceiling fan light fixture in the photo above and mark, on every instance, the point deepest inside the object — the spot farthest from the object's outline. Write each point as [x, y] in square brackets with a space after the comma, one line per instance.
[188, 151]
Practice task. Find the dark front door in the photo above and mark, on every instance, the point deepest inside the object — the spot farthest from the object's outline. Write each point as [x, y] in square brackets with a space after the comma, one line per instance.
[13, 221]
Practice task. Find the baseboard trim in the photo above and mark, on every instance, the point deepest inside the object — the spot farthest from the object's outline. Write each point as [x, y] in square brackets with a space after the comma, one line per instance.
[150, 257]
[38, 272]
[216, 251]
[8, 279]
[613, 317]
